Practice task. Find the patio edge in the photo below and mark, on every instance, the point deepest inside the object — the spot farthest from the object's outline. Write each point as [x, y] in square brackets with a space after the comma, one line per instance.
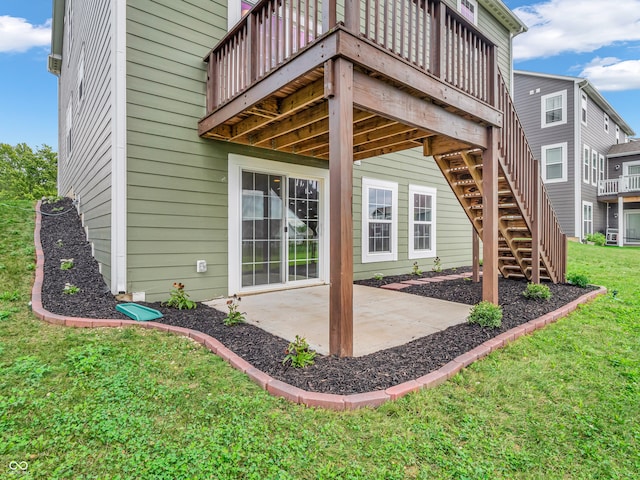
[282, 389]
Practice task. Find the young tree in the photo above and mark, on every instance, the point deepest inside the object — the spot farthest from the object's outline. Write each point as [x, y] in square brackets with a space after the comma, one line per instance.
[25, 174]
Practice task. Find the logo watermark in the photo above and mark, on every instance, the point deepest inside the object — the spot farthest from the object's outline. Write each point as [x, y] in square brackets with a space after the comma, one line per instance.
[18, 467]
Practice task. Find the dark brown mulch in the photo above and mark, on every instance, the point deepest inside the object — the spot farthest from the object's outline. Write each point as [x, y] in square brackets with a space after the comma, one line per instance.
[63, 237]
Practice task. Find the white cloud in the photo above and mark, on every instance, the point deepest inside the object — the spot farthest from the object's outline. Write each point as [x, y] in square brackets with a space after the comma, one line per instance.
[560, 26]
[18, 35]
[613, 74]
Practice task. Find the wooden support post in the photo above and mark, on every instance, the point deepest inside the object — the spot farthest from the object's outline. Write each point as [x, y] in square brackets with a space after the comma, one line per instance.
[352, 16]
[490, 218]
[475, 242]
[621, 225]
[535, 225]
[341, 215]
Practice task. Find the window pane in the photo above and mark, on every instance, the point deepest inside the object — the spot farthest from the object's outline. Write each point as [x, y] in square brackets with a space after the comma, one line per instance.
[554, 172]
[379, 237]
[422, 237]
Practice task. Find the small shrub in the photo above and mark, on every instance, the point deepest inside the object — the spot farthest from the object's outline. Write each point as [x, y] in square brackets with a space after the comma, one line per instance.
[597, 238]
[70, 289]
[59, 243]
[378, 276]
[415, 269]
[66, 263]
[437, 265]
[234, 316]
[578, 279]
[480, 262]
[537, 291]
[486, 314]
[298, 354]
[179, 299]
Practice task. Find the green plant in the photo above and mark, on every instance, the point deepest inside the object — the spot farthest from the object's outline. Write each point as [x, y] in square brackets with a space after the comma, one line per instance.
[298, 353]
[378, 276]
[10, 296]
[66, 263]
[179, 299]
[537, 291]
[234, 316]
[597, 238]
[486, 314]
[70, 289]
[480, 262]
[59, 243]
[437, 265]
[578, 279]
[415, 269]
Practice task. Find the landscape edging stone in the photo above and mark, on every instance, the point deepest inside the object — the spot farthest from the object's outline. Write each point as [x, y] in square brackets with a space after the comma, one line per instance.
[282, 389]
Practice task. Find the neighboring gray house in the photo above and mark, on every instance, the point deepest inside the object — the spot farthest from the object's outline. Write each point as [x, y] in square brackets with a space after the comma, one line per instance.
[572, 129]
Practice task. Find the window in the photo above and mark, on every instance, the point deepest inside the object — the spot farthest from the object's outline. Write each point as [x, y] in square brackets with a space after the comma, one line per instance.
[554, 108]
[594, 167]
[601, 168]
[81, 76]
[554, 163]
[583, 103]
[617, 134]
[422, 222]
[469, 10]
[606, 123]
[587, 218]
[236, 9]
[586, 169]
[69, 29]
[379, 220]
[69, 120]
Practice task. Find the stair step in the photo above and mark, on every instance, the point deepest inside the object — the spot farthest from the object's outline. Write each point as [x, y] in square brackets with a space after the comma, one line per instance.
[517, 229]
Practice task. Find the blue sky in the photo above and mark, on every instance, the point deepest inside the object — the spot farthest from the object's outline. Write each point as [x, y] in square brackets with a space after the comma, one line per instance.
[597, 39]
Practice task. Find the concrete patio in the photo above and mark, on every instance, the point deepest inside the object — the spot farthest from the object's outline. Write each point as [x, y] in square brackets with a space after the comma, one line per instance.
[382, 318]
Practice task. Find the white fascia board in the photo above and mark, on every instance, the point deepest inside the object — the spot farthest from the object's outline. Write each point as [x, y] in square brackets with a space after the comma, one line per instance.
[119, 147]
[577, 163]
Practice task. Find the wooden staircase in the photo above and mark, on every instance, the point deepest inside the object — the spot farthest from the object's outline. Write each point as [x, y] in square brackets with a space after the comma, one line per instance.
[521, 200]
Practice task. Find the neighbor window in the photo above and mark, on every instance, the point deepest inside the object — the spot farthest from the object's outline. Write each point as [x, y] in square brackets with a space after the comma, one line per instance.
[617, 134]
[587, 218]
[606, 123]
[594, 167]
[422, 221]
[379, 220]
[554, 163]
[601, 168]
[554, 109]
[586, 167]
[583, 103]
[469, 10]
[236, 9]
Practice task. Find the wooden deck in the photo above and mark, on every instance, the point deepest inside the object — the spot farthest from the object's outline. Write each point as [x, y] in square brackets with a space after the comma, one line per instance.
[310, 78]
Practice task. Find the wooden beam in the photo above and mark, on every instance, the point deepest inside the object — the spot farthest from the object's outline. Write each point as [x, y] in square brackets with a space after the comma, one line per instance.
[276, 134]
[303, 63]
[288, 106]
[341, 216]
[441, 145]
[490, 218]
[475, 247]
[389, 101]
[385, 150]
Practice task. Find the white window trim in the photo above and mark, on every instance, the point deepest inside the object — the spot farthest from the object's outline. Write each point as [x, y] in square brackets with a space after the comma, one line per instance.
[606, 123]
[584, 104]
[601, 167]
[422, 190]
[586, 150]
[626, 165]
[392, 256]
[81, 83]
[543, 158]
[238, 163]
[617, 134]
[543, 111]
[594, 167]
[590, 230]
[475, 11]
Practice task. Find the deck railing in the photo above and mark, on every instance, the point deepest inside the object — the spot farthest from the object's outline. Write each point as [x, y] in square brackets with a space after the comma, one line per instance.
[426, 33]
[623, 184]
[522, 167]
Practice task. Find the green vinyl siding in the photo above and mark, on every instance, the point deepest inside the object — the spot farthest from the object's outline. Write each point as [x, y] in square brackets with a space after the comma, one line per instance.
[84, 172]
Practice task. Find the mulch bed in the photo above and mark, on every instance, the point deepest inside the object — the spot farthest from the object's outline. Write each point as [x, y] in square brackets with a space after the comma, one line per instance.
[63, 237]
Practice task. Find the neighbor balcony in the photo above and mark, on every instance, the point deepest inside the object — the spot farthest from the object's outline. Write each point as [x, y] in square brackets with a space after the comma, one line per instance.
[627, 186]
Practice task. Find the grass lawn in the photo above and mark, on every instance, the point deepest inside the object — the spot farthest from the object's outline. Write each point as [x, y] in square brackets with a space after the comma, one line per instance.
[134, 403]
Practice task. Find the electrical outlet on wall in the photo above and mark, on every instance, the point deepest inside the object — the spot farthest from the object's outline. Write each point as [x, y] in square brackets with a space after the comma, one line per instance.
[201, 266]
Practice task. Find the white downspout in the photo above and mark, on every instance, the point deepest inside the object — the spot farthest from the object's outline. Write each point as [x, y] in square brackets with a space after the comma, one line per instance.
[119, 147]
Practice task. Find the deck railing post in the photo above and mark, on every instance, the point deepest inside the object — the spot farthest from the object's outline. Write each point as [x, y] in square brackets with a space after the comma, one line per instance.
[439, 44]
[352, 16]
[252, 49]
[212, 83]
[493, 74]
[329, 12]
